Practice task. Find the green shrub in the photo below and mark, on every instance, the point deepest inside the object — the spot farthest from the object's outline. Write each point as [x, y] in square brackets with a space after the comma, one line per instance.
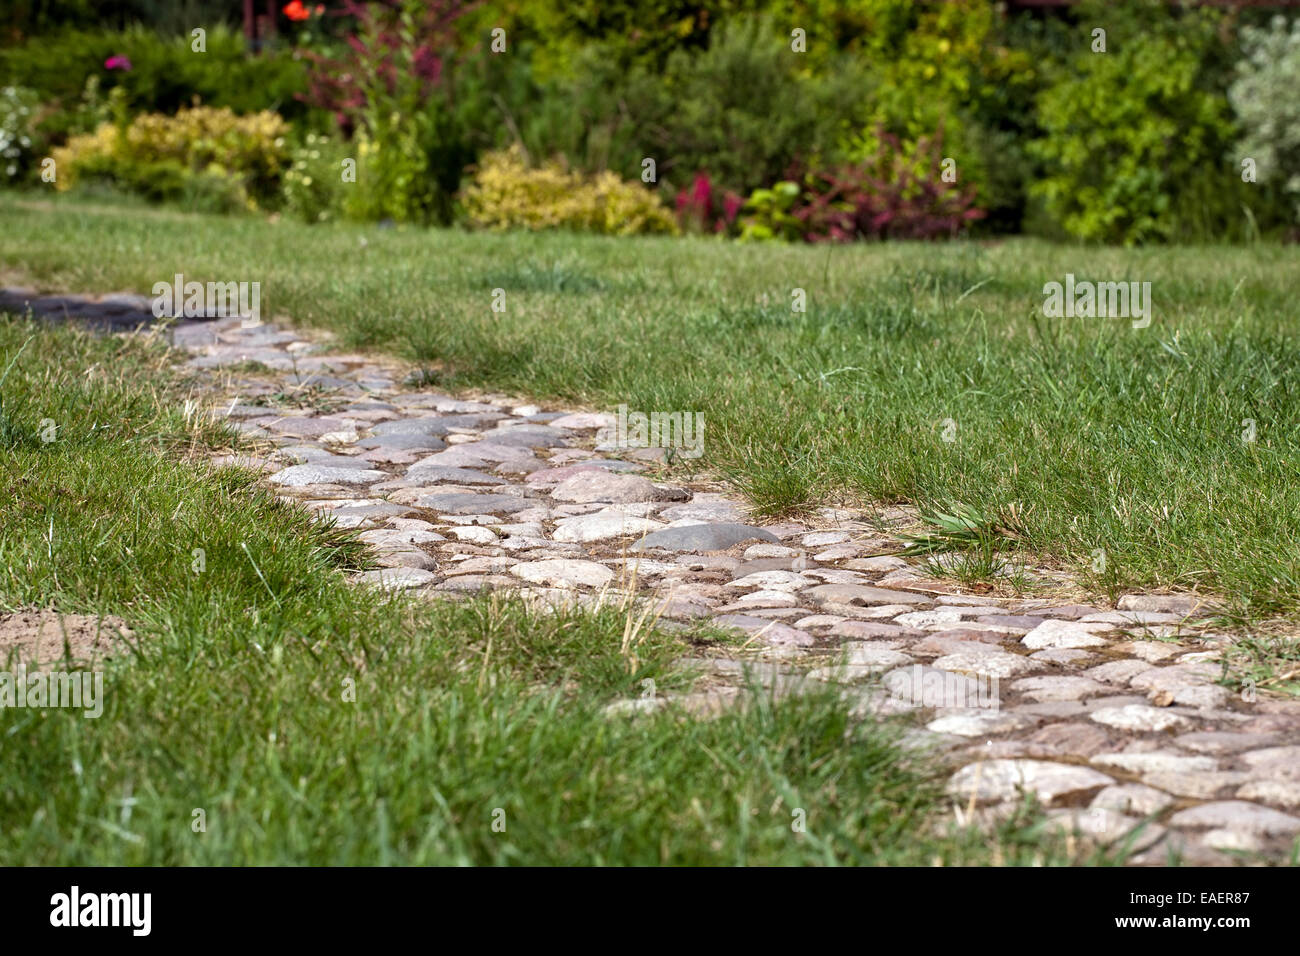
[313, 185]
[744, 109]
[1266, 98]
[19, 140]
[505, 193]
[165, 73]
[1132, 134]
[202, 152]
[768, 213]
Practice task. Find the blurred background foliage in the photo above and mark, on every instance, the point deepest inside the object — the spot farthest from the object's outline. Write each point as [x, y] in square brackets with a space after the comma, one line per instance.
[1141, 143]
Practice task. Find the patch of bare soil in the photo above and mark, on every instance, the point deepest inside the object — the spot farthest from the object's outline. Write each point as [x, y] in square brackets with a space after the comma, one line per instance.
[38, 638]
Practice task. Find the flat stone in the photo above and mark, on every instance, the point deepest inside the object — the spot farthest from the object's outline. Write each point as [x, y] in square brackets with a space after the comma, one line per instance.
[603, 526]
[433, 474]
[1054, 633]
[1059, 655]
[1133, 798]
[1198, 786]
[1117, 672]
[948, 643]
[300, 427]
[1281, 793]
[1222, 742]
[1010, 620]
[468, 503]
[404, 441]
[396, 579]
[584, 421]
[999, 665]
[412, 426]
[1069, 739]
[1157, 762]
[1274, 761]
[1141, 718]
[818, 620]
[1238, 815]
[925, 619]
[865, 630]
[1175, 677]
[772, 580]
[300, 476]
[1058, 688]
[705, 510]
[980, 723]
[921, 686]
[704, 537]
[995, 781]
[602, 486]
[772, 632]
[851, 594]
[564, 572]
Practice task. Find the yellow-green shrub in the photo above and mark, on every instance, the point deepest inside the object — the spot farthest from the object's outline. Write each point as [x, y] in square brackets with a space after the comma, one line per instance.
[506, 193]
[202, 142]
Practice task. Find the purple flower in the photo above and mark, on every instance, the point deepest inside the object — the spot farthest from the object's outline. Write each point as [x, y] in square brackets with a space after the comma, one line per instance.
[117, 62]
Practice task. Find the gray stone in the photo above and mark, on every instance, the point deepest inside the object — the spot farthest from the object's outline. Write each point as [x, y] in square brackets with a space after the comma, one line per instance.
[602, 526]
[412, 426]
[601, 486]
[980, 723]
[1054, 633]
[404, 441]
[859, 594]
[396, 579]
[1238, 815]
[704, 537]
[563, 572]
[298, 476]
[460, 476]
[1133, 798]
[999, 665]
[1281, 793]
[1141, 718]
[995, 781]
[1058, 688]
[771, 632]
[468, 503]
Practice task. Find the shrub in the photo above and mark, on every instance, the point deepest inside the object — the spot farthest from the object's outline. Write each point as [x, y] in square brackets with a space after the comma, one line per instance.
[743, 109]
[165, 73]
[1266, 98]
[312, 186]
[387, 92]
[1132, 132]
[505, 193]
[898, 193]
[702, 208]
[203, 144]
[952, 65]
[18, 137]
[771, 213]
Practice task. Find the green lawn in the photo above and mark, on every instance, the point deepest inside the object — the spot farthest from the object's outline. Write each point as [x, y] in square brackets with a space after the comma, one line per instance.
[236, 701]
[1072, 434]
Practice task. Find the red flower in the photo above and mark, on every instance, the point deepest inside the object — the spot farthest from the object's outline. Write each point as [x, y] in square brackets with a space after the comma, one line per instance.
[294, 10]
[117, 62]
